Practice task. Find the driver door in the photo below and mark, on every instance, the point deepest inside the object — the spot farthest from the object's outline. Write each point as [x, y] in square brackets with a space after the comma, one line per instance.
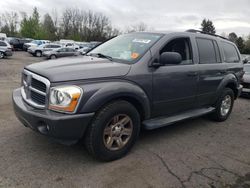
[175, 86]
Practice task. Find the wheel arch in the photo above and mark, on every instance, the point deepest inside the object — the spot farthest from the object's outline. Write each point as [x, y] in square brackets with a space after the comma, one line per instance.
[110, 92]
[230, 81]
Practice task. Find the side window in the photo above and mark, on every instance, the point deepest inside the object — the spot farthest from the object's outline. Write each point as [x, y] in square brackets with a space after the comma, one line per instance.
[3, 44]
[207, 52]
[70, 50]
[181, 46]
[230, 52]
[63, 49]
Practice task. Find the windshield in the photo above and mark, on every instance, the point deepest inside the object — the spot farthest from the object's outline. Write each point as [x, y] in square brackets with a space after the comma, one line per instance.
[247, 69]
[128, 47]
[34, 41]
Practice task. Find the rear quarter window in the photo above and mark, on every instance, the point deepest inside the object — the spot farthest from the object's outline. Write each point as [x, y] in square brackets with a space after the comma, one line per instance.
[230, 53]
[207, 51]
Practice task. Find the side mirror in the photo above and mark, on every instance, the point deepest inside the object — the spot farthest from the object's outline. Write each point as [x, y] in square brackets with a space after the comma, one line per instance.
[170, 58]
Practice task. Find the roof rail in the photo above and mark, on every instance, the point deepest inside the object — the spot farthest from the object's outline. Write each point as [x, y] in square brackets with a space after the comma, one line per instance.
[203, 32]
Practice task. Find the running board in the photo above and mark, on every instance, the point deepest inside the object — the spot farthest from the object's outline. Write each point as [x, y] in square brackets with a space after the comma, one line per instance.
[164, 121]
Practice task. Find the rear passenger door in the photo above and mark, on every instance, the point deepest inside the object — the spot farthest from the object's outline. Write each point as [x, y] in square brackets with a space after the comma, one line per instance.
[211, 70]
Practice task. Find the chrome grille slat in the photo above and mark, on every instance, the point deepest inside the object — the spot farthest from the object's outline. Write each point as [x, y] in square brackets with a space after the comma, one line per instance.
[35, 89]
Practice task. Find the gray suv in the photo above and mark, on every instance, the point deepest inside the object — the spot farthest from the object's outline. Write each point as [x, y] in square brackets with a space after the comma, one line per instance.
[133, 81]
[39, 50]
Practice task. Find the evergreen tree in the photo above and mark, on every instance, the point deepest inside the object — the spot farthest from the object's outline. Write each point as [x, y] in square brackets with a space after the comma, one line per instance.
[208, 26]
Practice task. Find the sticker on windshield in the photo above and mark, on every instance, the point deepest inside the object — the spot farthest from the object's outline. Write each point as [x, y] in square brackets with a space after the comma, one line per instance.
[145, 41]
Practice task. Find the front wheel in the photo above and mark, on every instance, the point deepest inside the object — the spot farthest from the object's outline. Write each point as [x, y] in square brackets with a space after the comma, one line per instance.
[113, 131]
[224, 106]
[1, 55]
[38, 54]
[52, 57]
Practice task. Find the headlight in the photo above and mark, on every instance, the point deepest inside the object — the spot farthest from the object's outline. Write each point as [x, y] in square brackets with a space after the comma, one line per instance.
[64, 98]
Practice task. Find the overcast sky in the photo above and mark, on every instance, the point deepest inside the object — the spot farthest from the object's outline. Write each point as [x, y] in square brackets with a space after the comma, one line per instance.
[227, 15]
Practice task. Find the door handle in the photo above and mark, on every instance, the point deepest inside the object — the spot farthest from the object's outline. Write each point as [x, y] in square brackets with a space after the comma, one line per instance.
[192, 73]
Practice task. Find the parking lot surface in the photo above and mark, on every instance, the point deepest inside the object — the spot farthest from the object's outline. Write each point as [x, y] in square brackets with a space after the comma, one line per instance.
[194, 153]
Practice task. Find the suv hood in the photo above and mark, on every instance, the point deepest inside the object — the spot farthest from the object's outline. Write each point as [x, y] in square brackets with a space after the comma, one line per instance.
[80, 68]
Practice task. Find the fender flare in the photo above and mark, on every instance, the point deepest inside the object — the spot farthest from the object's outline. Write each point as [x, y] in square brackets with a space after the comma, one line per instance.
[99, 94]
[230, 79]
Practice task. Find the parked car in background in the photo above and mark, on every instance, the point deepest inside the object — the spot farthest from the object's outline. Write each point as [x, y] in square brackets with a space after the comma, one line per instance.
[5, 49]
[60, 52]
[39, 50]
[17, 43]
[69, 43]
[84, 50]
[87, 47]
[3, 36]
[34, 43]
[246, 81]
[94, 44]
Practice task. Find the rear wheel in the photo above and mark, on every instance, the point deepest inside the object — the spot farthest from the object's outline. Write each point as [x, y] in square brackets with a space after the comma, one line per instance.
[52, 57]
[224, 105]
[1, 55]
[113, 131]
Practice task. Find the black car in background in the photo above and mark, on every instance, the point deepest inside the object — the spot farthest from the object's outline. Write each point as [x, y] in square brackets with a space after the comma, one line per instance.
[17, 43]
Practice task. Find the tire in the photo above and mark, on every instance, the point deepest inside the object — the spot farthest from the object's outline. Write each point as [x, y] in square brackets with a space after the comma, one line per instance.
[1, 55]
[97, 141]
[52, 57]
[38, 54]
[220, 115]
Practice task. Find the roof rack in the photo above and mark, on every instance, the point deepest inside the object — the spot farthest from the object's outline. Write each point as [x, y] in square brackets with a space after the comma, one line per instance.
[203, 32]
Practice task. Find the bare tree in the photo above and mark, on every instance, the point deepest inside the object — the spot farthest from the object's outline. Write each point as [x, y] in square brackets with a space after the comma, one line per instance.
[9, 23]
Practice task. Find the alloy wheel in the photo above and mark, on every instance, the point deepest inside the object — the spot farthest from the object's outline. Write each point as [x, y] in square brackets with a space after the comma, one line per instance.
[118, 132]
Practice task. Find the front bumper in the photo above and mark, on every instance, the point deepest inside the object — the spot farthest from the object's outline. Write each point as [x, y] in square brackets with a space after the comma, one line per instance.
[31, 51]
[246, 87]
[62, 127]
[8, 53]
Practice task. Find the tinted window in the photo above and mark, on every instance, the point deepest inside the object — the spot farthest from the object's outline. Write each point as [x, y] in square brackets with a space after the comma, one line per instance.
[63, 49]
[55, 46]
[181, 46]
[230, 52]
[3, 44]
[70, 50]
[206, 51]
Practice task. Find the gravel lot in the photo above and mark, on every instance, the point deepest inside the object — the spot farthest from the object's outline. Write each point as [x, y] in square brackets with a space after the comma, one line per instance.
[195, 153]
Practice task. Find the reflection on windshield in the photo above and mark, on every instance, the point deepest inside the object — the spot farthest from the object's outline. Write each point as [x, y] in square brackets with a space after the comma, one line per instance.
[128, 47]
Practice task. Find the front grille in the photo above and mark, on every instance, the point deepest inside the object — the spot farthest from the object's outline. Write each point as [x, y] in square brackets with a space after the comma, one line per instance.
[38, 85]
[246, 85]
[37, 98]
[34, 89]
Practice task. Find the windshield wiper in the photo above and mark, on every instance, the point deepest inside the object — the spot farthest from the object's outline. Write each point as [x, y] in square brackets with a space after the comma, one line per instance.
[100, 55]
